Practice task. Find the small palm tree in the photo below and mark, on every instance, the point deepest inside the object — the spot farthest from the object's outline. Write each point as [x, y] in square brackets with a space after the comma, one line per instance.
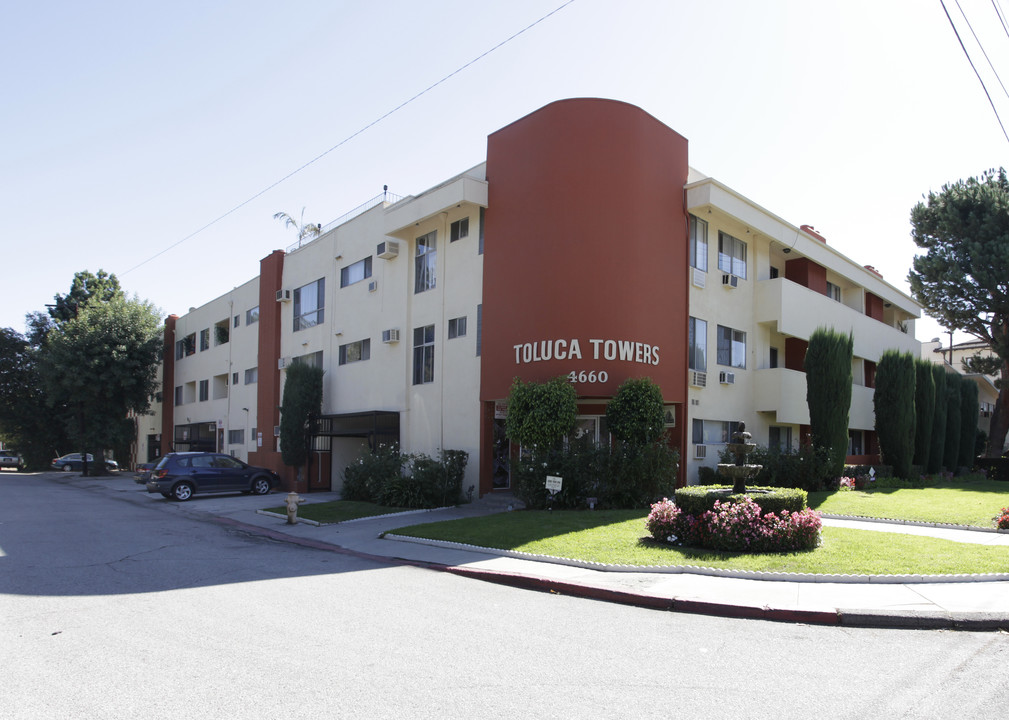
[305, 232]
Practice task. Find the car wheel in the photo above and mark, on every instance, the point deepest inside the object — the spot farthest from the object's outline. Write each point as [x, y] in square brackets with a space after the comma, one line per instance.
[67, 468]
[182, 492]
[261, 486]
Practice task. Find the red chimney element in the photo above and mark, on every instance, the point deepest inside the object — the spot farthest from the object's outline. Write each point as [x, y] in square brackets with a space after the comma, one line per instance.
[812, 231]
[873, 270]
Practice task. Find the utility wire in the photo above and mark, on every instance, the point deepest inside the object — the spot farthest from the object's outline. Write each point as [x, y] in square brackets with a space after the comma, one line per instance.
[941, 2]
[1001, 16]
[349, 138]
[978, 41]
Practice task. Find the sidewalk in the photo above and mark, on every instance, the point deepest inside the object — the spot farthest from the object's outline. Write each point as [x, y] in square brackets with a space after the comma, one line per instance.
[963, 602]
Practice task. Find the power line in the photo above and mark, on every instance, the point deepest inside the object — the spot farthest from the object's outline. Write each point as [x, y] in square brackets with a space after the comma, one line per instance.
[941, 2]
[1001, 16]
[978, 41]
[348, 138]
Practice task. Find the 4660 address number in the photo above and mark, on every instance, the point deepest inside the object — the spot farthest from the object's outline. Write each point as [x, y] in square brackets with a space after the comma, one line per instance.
[590, 376]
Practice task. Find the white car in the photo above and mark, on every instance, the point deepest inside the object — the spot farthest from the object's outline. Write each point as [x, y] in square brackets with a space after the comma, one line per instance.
[9, 460]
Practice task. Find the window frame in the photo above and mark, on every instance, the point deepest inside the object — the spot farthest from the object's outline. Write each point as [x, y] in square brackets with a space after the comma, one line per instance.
[692, 344]
[425, 262]
[729, 344]
[252, 315]
[423, 355]
[359, 348]
[349, 273]
[729, 260]
[459, 229]
[457, 327]
[316, 314]
[698, 245]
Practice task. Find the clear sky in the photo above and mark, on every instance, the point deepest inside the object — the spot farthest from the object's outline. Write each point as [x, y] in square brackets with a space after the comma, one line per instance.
[127, 126]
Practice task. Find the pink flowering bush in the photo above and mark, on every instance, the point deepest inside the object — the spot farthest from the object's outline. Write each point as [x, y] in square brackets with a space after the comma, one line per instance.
[735, 526]
[847, 483]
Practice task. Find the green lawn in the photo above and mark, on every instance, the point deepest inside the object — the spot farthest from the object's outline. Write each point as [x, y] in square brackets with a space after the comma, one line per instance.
[970, 501]
[619, 536]
[339, 510]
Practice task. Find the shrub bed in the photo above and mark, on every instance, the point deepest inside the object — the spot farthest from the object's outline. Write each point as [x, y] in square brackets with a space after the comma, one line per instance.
[391, 478]
[736, 525]
[698, 499]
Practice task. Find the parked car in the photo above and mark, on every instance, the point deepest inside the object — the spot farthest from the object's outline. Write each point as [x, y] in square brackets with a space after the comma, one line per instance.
[143, 472]
[72, 463]
[10, 460]
[181, 475]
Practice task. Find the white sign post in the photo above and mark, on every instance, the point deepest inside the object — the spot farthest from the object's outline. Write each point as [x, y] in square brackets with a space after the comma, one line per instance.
[553, 485]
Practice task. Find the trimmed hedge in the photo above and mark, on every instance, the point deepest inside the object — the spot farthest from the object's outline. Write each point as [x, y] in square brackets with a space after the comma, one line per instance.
[698, 499]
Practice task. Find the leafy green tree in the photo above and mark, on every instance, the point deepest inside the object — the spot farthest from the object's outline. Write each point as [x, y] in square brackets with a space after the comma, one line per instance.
[828, 394]
[85, 288]
[302, 401]
[924, 408]
[636, 414]
[969, 410]
[951, 449]
[100, 366]
[937, 451]
[961, 278]
[893, 402]
[541, 414]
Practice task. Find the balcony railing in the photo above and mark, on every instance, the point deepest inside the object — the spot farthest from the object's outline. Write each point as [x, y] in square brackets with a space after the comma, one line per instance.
[382, 198]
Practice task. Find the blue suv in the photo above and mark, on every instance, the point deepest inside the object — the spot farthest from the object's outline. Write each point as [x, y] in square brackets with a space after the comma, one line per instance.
[181, 475]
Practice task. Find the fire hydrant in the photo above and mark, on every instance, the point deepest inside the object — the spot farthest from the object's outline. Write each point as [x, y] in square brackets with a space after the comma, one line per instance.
[293, 501]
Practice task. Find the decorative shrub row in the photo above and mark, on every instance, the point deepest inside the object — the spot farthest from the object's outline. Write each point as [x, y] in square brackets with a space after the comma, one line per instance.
[620, 477]
[394, 479]
[699, 499]
[735, 526]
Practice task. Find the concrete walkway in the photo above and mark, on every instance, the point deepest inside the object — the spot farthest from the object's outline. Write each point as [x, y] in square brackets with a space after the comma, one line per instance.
[979, 602]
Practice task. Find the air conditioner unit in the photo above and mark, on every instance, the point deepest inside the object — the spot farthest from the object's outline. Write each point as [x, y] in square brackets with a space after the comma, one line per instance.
[730, 281]
[283, 362]
[700, 452]
[391, 335]
[373, 286]
[698, 379]
[699, 278]
[387, 250]
[283, 296]
[276, 431]
[726, 378]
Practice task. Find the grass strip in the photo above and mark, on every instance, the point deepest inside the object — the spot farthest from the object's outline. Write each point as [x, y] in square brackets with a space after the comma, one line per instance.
[339, 510]
[971, 501]
[618, 537]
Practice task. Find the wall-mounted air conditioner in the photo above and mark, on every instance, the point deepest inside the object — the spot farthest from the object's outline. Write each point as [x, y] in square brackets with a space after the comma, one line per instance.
[391, 335]
[373, 286]
[283, 362]
[730, 281]
[699, 278]
[387, 250]
[700, 452]
[283, 296]
[698, 379]
[726, 378]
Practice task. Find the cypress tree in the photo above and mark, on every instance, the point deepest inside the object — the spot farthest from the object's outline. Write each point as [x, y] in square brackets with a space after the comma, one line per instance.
[951, 452]
[828, 394]
[924, 408]
[969, 409]
[938, 420]
[893, 402]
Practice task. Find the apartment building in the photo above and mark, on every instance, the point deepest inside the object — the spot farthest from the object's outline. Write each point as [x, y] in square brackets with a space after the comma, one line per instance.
[585, 246]
[952, 358]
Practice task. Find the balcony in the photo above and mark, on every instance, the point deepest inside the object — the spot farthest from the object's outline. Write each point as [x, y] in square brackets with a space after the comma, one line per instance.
[783, 392]
[797, 311]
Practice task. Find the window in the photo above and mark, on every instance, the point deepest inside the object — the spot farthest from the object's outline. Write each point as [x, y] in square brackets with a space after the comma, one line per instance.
[697, 338]
[355, 273]
[222, 333]
[204, 390]
[251, 375]
[731, 347]
[479, 328]
[774, 272]
[833, 291]
[459, 229]
[424, 262]
[779, 437]
[234, 378]
[698, 244]
[774, 358]
[731, 255]
[309, 301]
[180, 349]
[310, 359]
[204, 339]
[457, 327]
[480, 243]
[236, 437]
[423, 355]
[252, 315]
[178, 394]
[355, 351]
[712, 432]
[185, 346]
[855, 442]
[235, 321]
